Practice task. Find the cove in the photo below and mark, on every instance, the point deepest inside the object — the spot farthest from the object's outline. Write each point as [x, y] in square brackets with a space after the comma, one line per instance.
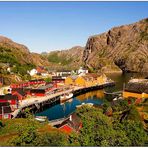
[63, 110]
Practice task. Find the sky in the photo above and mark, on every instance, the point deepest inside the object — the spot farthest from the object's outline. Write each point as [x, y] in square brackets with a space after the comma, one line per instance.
[48, 26]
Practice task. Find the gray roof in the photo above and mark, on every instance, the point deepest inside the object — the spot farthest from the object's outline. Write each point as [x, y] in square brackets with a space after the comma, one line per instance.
[45, 86]
[74, 77]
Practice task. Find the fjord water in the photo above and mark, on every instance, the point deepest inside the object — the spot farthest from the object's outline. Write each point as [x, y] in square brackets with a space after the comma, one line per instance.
[95, 97]
[63, 110]
[122, 79]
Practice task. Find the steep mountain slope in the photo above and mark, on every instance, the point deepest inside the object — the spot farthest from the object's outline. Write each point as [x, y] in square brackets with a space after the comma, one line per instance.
[125, 47]
[14, 53]
[66, 59]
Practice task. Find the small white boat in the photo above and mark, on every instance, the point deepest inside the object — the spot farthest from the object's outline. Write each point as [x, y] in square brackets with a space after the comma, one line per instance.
[115, 99]
[89, 104]
[66, 97]
[41, 118]
[80, 105]
[70, 100]
[69, 96]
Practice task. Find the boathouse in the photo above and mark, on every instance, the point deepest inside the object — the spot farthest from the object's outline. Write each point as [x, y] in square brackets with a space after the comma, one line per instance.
[136, 88]
[74, 124]
[20, 92]
[41, 91]
[5, 110]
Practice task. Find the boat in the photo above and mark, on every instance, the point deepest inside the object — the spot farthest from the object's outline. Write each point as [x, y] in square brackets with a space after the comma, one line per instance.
[41, 118]
[89, 104]
[70, 100]
[78, 106]
[66, 97]
[115, 99]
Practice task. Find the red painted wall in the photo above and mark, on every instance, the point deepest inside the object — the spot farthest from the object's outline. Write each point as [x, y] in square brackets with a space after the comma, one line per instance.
[9, 116]
[37, 94]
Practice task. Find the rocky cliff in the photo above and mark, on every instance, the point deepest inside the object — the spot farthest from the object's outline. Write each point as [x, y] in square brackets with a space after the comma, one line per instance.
[121, 48]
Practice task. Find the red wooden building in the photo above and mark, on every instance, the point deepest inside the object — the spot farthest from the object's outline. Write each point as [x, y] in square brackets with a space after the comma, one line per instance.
[74, 124]
[57, 79]
[42, 90]
[5, 110]
[12, 99]
[29, 83]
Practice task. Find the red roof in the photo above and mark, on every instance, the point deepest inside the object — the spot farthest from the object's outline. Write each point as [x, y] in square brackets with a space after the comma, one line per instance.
[66, 128]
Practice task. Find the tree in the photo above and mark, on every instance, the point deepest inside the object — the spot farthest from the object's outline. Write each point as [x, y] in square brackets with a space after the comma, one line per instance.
[26, 133]
[135, 132]
[98, 129]
[52, 138]
[47, 80]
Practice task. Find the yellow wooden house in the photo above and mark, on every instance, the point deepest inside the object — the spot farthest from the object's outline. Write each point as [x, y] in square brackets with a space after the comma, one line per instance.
[90, 79]
[70, 80]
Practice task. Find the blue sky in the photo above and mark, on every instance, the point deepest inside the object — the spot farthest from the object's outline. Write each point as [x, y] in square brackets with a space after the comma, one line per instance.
[46, 26]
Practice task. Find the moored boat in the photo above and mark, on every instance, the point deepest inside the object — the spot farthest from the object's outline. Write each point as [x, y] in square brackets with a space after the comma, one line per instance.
[66, 97]
[41, 118]
[89, 104]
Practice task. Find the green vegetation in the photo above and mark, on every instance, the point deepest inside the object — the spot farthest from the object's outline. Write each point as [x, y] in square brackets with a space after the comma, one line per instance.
[47, 80]
[8, 58]
[55, 58]
[101, 130]
[123, 128]
[22, 69]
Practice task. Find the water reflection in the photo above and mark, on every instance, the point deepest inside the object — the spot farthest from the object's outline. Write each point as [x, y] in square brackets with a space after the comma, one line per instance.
[90, 95]
[63, 110]
[122, 79]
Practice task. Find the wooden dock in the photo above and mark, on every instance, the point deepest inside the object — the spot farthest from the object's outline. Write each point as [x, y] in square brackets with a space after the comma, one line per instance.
[37, 101]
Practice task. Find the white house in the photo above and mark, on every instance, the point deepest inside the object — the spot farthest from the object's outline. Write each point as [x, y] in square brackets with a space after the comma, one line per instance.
[33, 72]
[82, 71]
[45, 74]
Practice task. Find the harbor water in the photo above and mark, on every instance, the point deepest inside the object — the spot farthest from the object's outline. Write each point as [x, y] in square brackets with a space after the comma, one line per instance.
[95, 97]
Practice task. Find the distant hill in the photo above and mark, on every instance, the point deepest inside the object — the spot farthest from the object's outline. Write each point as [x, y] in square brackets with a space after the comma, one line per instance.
[12, 53]
[66, 59]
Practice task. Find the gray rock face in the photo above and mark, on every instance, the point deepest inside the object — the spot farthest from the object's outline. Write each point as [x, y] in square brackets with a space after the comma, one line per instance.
[125, 46]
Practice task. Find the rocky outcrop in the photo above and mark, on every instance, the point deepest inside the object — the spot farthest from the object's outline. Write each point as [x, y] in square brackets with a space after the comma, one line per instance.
[124, 47]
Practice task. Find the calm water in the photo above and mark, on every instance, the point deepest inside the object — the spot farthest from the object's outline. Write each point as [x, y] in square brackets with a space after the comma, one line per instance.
[122, 79]
[63, 110]
[96, 97]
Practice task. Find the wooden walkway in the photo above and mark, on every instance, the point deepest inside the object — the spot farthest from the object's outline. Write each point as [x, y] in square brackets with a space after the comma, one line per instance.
[38, 100]
[114, 93]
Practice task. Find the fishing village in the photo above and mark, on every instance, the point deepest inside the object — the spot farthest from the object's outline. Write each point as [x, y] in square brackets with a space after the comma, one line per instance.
[63, 86]
[37, 92]
[73, 74]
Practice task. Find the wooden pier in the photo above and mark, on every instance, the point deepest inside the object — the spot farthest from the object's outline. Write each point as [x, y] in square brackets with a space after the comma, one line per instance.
[37, 102]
